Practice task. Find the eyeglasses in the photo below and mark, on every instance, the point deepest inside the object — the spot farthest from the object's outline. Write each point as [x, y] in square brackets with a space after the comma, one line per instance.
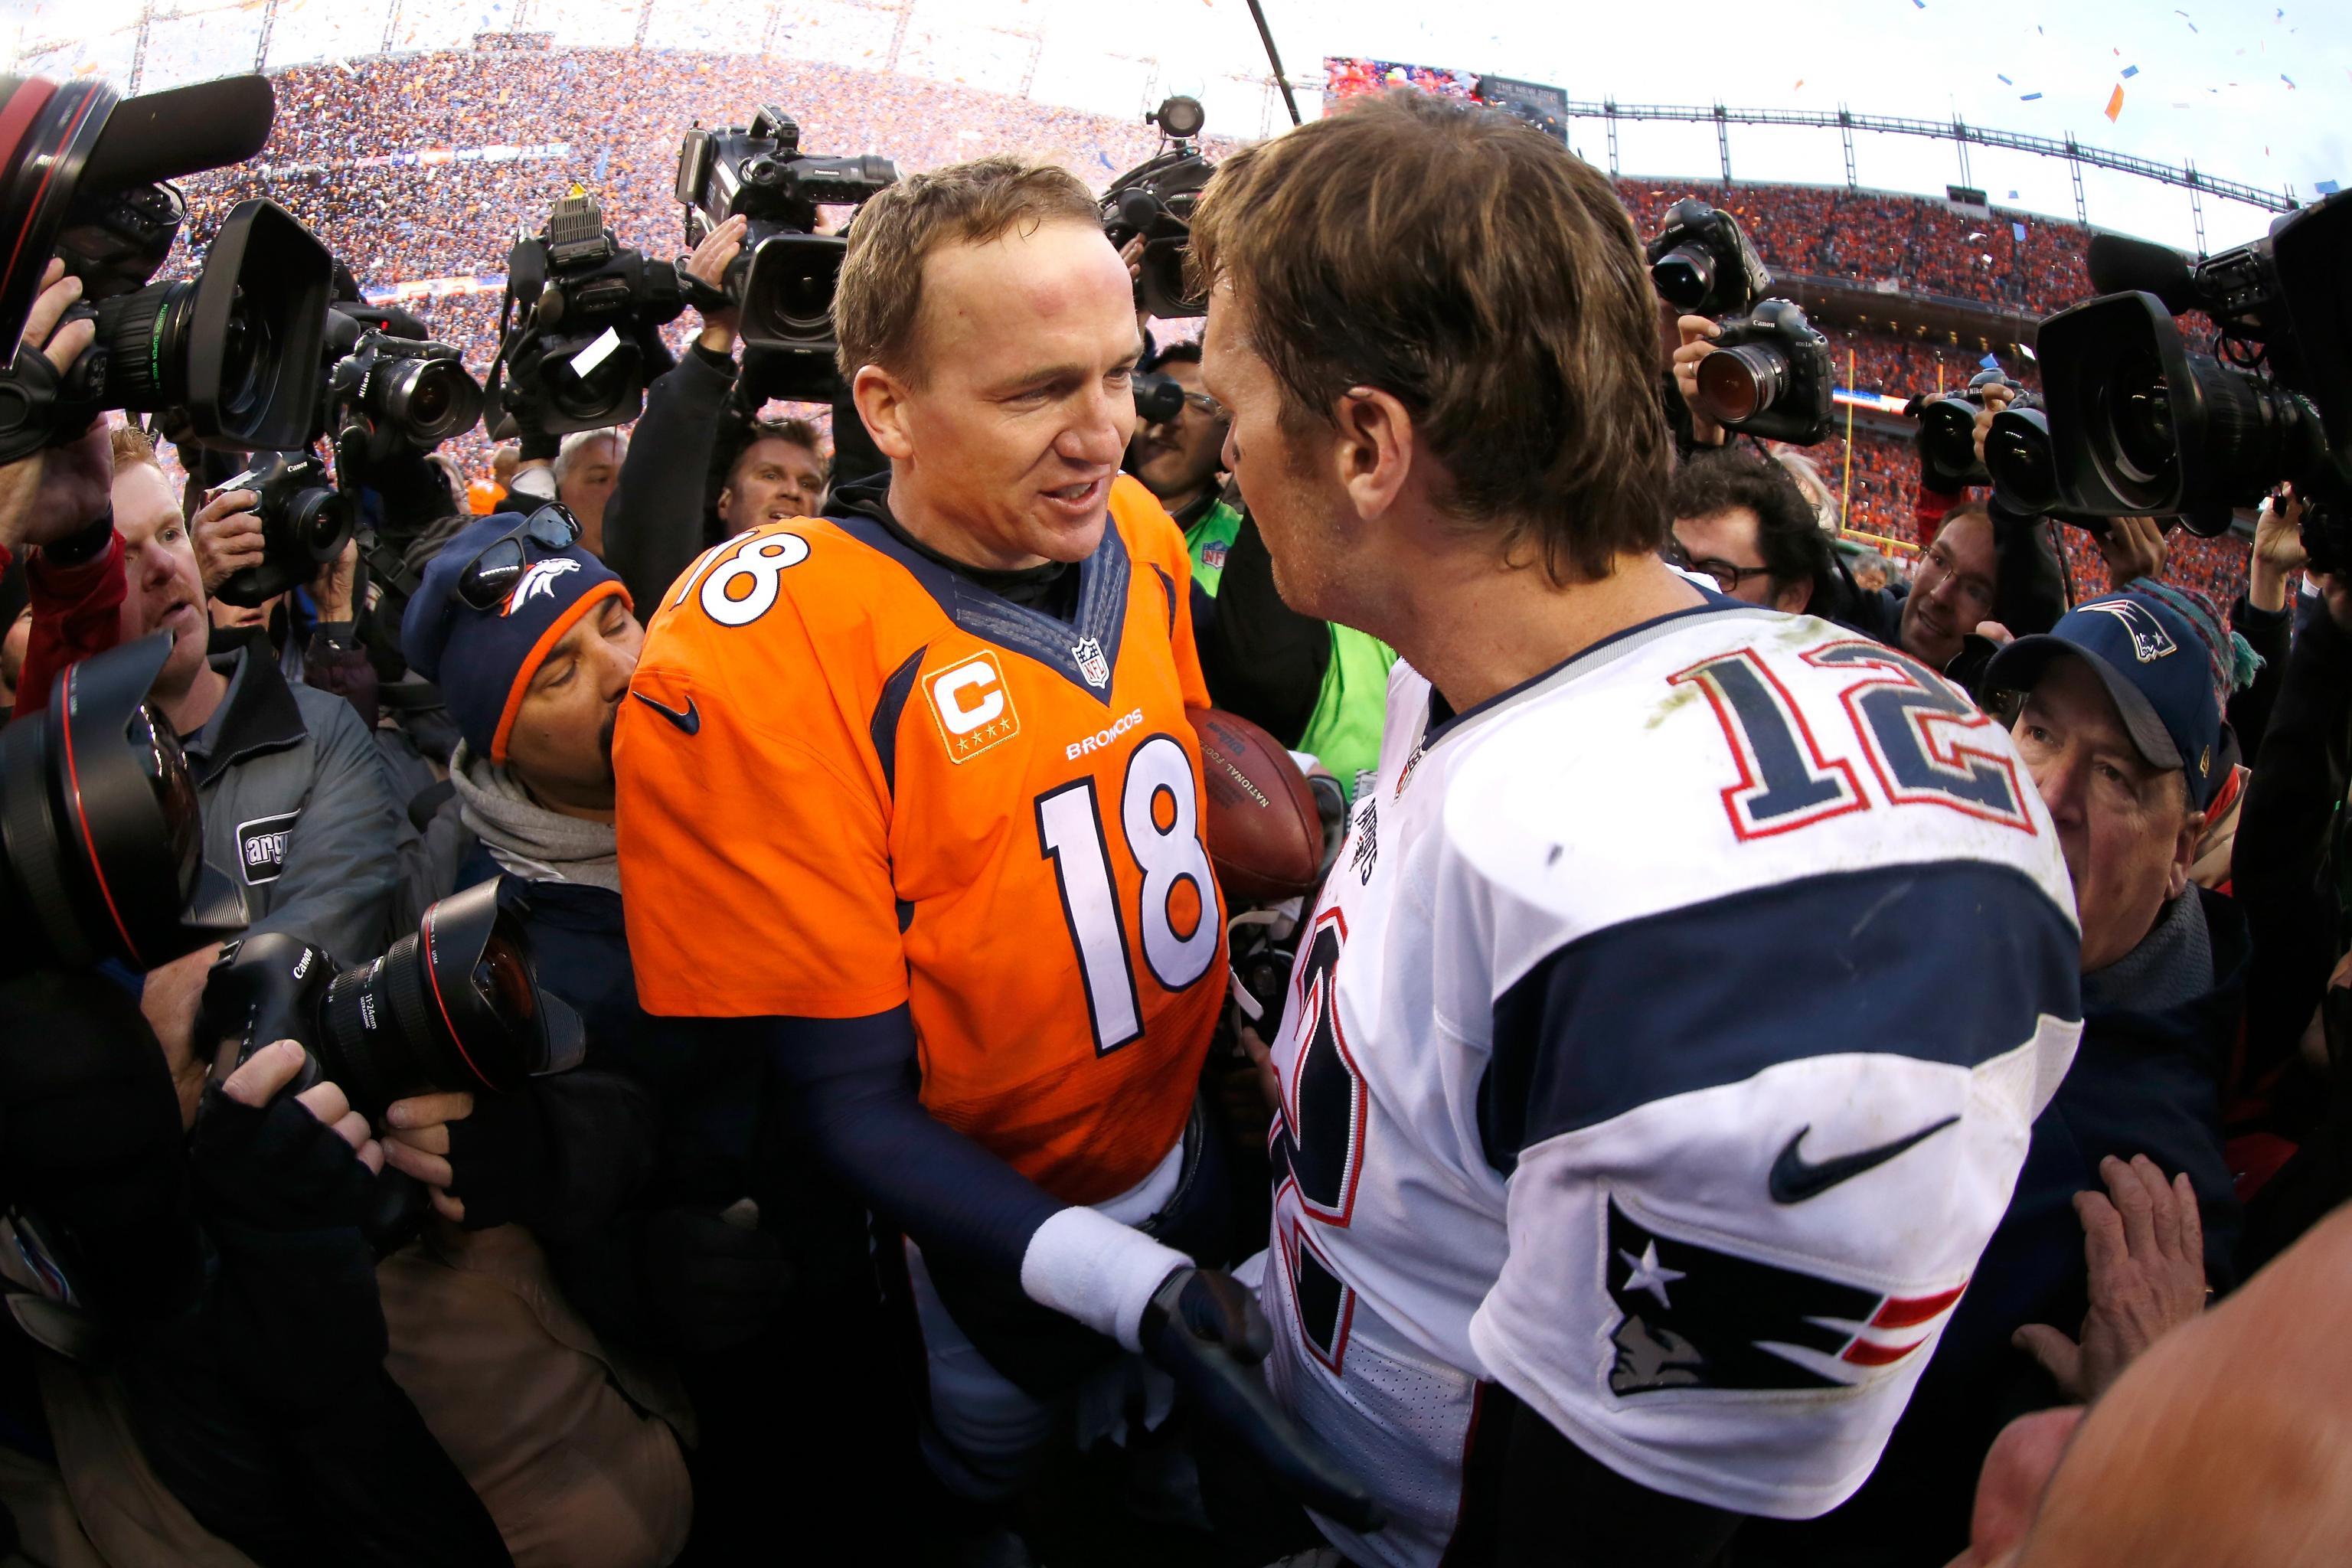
[491, 576]
[1202, 402]
[1727, 577]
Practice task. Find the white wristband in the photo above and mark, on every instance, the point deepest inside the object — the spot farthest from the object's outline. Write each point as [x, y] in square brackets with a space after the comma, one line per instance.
[1094, 1269]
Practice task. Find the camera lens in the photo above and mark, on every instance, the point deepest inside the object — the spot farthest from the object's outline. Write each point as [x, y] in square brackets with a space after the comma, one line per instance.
[1947, 442]
[2137, 400]
[2018, 455]
[145, 337]
[788, 294]
[452, 1005]
[1740, 383]
[1684, 276]
[430, 400]
[157, 749]
[246, 360]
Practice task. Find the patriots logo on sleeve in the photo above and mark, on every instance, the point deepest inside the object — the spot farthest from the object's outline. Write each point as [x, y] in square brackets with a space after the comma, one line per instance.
[1696, 1317]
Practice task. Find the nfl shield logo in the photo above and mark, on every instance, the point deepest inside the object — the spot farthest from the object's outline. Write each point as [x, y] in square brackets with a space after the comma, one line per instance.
[1091, 662]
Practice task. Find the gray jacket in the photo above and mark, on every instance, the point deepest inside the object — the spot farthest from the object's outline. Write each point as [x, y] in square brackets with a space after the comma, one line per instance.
[299, 810]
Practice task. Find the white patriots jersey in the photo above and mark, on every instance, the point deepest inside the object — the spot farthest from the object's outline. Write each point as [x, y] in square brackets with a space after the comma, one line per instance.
[1664, 1048]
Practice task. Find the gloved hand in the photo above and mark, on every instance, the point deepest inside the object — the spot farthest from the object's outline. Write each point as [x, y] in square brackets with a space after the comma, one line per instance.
[270, 1165]
[1203, 1328]
[716, 1285]
[504, 1164]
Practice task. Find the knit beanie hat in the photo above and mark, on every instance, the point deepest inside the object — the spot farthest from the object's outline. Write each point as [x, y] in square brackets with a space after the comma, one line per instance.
[483, 660]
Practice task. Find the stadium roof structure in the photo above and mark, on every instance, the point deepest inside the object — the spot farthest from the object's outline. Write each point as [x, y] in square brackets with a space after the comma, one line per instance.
[1846, 123]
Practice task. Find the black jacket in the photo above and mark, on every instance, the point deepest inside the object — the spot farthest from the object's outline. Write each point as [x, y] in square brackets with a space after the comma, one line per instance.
[659, 518]
[2144, 1081]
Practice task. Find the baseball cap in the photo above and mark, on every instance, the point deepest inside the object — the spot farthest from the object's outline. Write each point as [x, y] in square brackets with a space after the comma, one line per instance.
[2153, 661]
[483, 659]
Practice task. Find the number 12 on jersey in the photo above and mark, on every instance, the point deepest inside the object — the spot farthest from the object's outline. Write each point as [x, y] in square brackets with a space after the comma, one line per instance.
[1159, 818]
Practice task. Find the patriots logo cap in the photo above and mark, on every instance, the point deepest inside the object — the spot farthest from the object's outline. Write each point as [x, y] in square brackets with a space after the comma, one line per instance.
[2154, 663]
[483, 660]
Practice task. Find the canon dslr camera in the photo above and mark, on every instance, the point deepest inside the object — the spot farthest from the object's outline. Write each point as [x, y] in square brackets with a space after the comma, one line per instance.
[1770, 376]
[454, 1006]
[782, 284]
[1701, 265]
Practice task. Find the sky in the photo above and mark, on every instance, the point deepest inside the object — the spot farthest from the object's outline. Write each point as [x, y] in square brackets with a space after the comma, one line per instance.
[2256, 94]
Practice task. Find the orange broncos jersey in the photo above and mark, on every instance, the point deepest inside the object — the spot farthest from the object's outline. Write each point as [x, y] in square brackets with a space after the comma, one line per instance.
[850, 778]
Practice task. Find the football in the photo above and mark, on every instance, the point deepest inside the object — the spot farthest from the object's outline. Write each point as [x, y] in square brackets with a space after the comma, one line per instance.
[1265, 835]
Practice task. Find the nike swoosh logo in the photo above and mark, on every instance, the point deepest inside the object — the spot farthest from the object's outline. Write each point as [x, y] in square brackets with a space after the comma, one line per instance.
[1794, 1178]
[690, 722]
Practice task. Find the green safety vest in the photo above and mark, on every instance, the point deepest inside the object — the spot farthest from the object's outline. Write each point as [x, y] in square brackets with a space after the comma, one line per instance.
[1343, 734]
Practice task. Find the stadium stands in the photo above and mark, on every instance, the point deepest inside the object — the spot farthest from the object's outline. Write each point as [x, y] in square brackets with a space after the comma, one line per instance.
[486, 124]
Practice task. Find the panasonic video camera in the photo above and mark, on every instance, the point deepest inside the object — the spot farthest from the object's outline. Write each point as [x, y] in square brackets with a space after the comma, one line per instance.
[1155, 199]
[782, 284]
[2141, 423]
[579, 330]
[231, 353]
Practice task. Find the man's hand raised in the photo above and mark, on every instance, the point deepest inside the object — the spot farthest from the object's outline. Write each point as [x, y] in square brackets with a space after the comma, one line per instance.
[1203, 1328]
[58, 491]
[709, 264]
[2146, 1255]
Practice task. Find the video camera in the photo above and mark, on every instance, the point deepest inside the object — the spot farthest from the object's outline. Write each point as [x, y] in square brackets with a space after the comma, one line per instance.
[101, 840]
[2140, 424]
[455, 1004]
[1155, 199]
[1771, 376]
[578, 336]
[782, 284]
[231, 351]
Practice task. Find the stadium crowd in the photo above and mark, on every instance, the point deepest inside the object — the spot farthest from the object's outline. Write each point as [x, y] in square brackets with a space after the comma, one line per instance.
[746, 1195]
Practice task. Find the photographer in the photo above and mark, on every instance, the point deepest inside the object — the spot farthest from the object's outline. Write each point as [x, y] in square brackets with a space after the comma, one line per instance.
[201, 1350]
[641, 1237]
[298, 809]
[313, 636]
[1741, 520]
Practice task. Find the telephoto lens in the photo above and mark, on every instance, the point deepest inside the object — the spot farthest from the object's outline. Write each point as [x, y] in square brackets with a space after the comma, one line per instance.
[428, 398]
[453, 1005]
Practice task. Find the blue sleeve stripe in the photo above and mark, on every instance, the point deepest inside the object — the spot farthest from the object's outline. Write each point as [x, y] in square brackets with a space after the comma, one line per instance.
[1946, 962]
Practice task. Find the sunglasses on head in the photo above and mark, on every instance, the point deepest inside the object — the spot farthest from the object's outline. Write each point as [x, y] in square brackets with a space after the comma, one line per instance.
[491, 576]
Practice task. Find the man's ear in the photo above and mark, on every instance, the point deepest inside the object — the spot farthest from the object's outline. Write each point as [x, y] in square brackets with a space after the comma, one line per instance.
[881, 400]
[1372, 451]
[2184, 855]
[1795, 597]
